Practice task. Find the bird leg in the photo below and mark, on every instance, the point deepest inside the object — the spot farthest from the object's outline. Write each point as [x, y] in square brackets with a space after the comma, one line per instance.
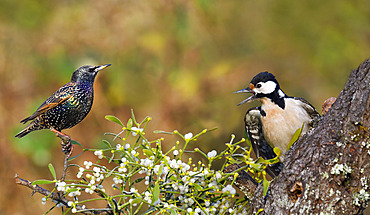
[67, 146]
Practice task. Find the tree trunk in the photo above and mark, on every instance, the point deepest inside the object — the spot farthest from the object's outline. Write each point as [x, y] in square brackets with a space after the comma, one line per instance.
[328, 170]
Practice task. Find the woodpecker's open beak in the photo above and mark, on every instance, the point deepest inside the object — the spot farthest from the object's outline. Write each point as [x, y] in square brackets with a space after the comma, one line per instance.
[249, 99]
[98, 68]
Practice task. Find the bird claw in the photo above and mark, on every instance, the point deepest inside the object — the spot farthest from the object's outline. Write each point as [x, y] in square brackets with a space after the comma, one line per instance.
[67, 146]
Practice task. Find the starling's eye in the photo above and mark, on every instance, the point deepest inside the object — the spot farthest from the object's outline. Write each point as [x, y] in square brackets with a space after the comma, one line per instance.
[258, 85]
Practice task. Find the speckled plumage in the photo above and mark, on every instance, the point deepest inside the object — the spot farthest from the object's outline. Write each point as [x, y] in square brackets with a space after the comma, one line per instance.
[67, 106]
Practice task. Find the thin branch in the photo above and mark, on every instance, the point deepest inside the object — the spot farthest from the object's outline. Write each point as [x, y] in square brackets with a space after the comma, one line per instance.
[65, 167]
[57, 197]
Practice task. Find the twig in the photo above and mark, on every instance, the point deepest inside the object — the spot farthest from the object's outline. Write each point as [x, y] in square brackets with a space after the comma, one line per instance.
[64, 173]
[57, 197]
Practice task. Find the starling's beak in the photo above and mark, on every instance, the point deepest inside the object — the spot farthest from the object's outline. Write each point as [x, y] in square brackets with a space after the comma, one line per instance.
[98, 68]
[249, 99]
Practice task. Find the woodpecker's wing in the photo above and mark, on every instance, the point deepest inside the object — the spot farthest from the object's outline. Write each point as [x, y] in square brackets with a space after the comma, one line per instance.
[261, 148]
[310, 109]
[312, 112]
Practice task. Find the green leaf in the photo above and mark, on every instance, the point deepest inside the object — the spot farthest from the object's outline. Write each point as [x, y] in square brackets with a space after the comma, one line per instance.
[111, 158]
[110, 173]
[136, 200]
[42, 181]
[162, 132]
[272, 161]
[255, 166]
[72, 158]
[266, 185]
[239, 157]
[173, 212]
[107, 144]
[52, 170]
[197, 186]
[114, 119]
[133, 116]
[147, 152]
[156, 192]
[295, 137]
[129, 124]
[160, 170]
[259, 211]
[247, 141]
[260, 160]
[77, 143]
[72, 190]
[277, 151]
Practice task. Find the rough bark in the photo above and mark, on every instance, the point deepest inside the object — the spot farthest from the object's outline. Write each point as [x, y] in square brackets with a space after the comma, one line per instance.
[326, 169]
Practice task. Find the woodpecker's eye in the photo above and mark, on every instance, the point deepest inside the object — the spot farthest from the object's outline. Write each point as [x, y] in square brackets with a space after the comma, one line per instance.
[258, 85]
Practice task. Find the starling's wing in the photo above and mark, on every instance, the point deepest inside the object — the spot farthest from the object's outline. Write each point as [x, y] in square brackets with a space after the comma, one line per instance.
[58, 98]
[261, 148]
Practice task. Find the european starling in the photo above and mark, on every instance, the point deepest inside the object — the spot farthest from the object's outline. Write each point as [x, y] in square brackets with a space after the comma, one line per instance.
[67, 106]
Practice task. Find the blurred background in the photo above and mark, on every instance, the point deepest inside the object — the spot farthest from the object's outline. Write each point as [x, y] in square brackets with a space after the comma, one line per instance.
[176, 61]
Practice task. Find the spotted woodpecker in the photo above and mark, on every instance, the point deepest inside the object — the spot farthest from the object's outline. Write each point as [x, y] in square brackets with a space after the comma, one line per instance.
[274, 123]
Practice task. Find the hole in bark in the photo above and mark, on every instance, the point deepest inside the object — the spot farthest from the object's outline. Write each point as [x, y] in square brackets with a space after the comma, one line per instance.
[296, 190]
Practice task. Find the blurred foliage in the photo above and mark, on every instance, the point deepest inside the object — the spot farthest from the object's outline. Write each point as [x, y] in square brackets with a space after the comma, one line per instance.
[177, 61]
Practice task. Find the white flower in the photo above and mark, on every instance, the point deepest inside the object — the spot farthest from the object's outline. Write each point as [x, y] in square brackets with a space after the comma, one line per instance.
[75, 193]
[122, 168]
[133, 190]
[218, 175]
[69, 203]
[190, 201]
[96, 169]
[229, 189]
[118, 146]
[43, 200]
[127, 146]
[188, 136]
[212, 154]
[136, 130]
[206, 173]
[74, 210]
[92, 181]
[175, 152]
[123, 160]
[99, 154]
[61, 186]
[117, 181]
[146, 162]
[87, 164]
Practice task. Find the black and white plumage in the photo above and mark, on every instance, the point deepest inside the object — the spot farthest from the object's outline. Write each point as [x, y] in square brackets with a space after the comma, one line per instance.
[274, 123]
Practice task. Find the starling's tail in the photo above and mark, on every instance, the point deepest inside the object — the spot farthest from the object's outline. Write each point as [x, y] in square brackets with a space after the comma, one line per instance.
[23, 133]
[32, 127]
[25, 120]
